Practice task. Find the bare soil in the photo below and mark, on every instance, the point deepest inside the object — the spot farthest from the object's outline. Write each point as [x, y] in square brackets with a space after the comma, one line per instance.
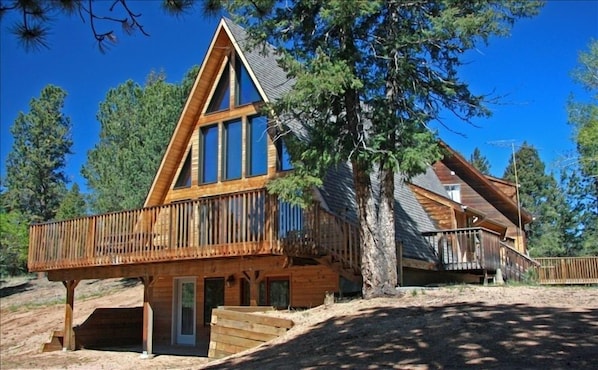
[455, 327]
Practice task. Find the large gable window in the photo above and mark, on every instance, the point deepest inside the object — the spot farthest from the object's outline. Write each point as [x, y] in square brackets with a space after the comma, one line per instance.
[232, 149]
[209, 154]
[233, 137]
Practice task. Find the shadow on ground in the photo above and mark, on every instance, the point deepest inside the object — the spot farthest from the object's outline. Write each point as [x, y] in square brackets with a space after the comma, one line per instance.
[10, 290]
[454, 336]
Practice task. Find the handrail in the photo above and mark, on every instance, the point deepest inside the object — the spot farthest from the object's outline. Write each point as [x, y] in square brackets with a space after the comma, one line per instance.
[244, 223]
[469, 249]
[230, 224]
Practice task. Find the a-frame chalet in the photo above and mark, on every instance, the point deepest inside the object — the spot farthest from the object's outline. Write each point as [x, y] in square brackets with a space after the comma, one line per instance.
[210, 234]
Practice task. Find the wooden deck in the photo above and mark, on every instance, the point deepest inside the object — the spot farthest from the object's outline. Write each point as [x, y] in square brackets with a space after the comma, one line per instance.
[240, 224]
[568, 270]
[478, 250]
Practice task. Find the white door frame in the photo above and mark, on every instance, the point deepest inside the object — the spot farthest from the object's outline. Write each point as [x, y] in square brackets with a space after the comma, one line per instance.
[178, 337]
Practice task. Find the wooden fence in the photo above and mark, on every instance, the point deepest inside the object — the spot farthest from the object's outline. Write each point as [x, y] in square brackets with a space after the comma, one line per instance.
[568, 270]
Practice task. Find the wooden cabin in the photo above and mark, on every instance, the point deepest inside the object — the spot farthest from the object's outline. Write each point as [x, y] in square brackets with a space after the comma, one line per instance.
[491, 202]
[210, 234]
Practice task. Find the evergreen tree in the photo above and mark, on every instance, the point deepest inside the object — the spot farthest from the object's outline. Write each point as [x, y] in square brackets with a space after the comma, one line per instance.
[368, 77]
[136, 125]
[35, 179]
[13, 243]
[479, 161]
[73, 205]
[583, 178]
[539, 194]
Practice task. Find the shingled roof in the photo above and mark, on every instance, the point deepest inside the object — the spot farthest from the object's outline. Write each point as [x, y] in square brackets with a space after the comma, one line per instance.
[338, 191]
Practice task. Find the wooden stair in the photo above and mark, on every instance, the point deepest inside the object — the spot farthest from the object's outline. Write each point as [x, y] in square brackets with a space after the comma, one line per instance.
[344, 269]
[55, 343]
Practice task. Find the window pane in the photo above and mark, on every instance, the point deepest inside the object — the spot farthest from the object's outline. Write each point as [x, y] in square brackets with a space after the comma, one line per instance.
[187, 308]
[209, 168]
[221, 98]
[246, 90]
[184, 179]
[257, 143]
[284, 159]
[232, 154]
[279, 293]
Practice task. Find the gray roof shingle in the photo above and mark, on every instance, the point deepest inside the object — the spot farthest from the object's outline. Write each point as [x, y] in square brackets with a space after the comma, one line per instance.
[338, 191]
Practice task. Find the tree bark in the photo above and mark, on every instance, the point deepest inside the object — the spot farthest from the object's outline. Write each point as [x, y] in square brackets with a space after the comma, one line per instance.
[376, 232]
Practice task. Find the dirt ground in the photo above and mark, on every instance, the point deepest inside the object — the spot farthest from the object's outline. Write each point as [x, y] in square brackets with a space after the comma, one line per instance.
[455, 327]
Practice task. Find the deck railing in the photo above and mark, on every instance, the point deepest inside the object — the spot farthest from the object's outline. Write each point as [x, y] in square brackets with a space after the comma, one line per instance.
[245, 223]
[568, 270]
[477, 249]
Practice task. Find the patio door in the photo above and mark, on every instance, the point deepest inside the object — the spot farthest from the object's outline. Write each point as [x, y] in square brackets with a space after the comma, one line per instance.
[185, 311]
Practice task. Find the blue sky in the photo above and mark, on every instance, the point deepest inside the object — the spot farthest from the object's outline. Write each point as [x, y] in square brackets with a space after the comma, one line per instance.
[530, 70]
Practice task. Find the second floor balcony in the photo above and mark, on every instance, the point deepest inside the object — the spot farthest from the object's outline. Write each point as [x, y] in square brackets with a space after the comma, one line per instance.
[242, 224]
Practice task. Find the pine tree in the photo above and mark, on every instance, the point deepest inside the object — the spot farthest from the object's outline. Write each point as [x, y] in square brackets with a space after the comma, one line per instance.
[583, 178]
[479, 161]
[73, 204]
[368, 77]
[35, 179]
[136, 125]
[539, 194]
[13, 243]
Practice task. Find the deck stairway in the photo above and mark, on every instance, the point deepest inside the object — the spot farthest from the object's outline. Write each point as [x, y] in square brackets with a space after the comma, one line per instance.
[478, 251]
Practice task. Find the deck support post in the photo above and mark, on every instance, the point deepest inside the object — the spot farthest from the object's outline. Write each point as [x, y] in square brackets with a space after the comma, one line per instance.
[254, 286]
[68, 341]
[148, 317]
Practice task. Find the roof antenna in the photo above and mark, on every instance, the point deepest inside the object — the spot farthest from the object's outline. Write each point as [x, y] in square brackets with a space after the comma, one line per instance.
[504, 144]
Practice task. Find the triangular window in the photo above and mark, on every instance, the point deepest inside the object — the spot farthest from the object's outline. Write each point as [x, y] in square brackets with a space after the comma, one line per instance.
[246, 90]
[221, 98]
[184, 179]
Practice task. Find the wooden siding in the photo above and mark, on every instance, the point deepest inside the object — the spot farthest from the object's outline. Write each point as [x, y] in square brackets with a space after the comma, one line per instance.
[219, 48]
[508, 188]
[442, 215]
[568, 270]
[308, 286]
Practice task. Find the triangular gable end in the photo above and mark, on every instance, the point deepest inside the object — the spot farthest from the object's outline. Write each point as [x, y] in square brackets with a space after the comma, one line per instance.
[227, 35]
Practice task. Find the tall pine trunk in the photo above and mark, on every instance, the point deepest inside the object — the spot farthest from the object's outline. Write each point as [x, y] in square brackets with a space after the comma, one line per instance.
[376, 232]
